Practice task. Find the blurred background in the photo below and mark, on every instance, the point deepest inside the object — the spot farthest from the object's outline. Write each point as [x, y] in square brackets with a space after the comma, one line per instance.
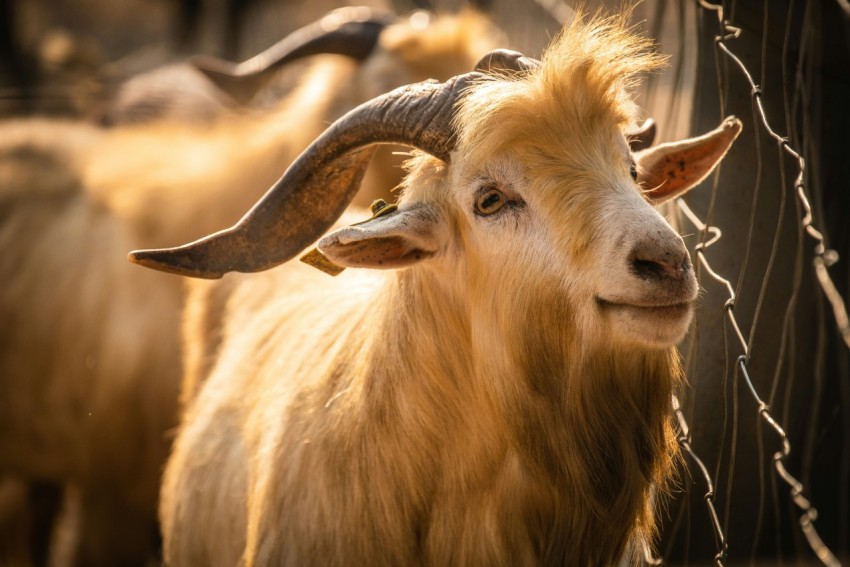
[66, 57]
[102, 65]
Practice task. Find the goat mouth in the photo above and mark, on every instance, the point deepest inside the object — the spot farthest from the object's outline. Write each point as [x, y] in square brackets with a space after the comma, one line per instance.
[655, 325]
[672, 310]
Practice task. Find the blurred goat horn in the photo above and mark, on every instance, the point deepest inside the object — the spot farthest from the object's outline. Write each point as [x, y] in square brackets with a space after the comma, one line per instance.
[320, 184]
[506, 60]
[351, 31]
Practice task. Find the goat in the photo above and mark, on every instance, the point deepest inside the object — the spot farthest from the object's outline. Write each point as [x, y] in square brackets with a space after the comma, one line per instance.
[204, 88]
[505, 397]
[90, 376]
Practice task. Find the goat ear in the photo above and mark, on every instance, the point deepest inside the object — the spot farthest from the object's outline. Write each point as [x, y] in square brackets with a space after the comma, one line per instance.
[641, 137]
[392, 238]
[667, 171]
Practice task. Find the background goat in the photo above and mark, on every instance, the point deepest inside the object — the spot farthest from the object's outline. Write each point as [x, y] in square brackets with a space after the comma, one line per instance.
[91, 345]
[204, 88]
[505, 399]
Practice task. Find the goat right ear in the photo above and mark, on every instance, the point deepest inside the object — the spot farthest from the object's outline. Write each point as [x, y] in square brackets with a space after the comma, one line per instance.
[392, 238]
[667, 171]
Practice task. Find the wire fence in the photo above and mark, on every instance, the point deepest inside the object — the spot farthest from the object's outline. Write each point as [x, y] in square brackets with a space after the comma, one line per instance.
[726, 34]
[823, 258]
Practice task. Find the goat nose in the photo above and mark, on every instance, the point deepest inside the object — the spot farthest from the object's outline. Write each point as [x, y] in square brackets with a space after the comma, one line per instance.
[651, 261]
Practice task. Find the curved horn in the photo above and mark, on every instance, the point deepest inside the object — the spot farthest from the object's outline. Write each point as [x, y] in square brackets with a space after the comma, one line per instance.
[507, 60]
[320, 184]
[351, 31]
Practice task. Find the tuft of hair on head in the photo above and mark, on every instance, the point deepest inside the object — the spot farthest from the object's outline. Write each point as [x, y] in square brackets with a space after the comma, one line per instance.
[586, 78]
[605, 56]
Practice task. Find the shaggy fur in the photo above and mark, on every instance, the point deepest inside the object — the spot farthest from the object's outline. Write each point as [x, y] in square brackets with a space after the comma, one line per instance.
[477, 408]
[90, 354]
[433, 446]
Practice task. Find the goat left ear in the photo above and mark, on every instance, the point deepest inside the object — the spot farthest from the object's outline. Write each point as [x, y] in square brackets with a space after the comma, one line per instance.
[667, 171]
[392, 238]
[641, 137]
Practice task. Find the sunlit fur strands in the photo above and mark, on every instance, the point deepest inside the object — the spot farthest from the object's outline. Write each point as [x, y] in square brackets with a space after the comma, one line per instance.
[612, 399]
[408, 389]
[493, 403]
[585, 80]
[89, 356]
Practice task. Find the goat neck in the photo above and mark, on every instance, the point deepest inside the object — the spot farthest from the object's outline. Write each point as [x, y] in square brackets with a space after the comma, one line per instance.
[587, 426]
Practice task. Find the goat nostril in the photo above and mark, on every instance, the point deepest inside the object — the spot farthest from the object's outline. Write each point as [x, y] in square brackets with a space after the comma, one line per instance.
[645, 268]
[656, 260]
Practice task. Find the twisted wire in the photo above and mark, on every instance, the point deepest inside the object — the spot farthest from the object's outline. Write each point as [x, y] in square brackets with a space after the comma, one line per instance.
[684, 440]
[824, 258]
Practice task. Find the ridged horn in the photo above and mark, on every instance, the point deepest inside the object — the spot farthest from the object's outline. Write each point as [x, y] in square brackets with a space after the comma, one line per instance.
[351, 31]
[506, 60]
[319, 185]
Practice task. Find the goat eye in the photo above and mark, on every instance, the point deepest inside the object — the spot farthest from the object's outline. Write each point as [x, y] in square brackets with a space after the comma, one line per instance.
[633, 171]
[490, 202]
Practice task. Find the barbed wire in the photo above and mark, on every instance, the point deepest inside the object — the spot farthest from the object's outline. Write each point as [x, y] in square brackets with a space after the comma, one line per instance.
[824, 258]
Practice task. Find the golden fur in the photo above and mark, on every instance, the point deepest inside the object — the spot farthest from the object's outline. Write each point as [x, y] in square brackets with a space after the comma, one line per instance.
[583, 83]
[90, 354]
[465, 411]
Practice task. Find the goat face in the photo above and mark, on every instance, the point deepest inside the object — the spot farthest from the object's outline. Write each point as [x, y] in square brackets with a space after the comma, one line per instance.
[517, 226]
[555, 198]
[582, 223]
[587, 231]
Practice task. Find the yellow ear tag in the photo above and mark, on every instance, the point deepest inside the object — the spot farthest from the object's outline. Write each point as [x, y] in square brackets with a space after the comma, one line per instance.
[314, 256]
[320, 262]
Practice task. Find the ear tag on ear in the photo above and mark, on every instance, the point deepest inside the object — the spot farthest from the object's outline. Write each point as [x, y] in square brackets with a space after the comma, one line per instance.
[321, 262]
